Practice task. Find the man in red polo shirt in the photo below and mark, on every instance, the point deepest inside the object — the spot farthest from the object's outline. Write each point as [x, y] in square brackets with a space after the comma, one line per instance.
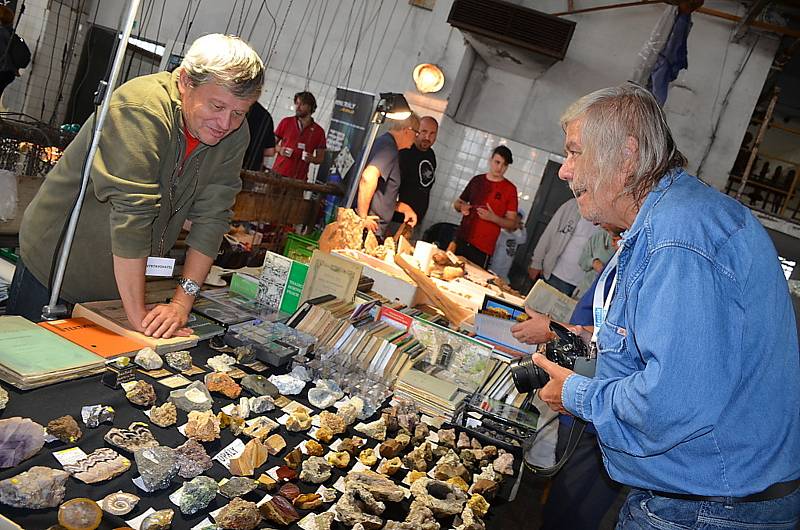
[301, 139]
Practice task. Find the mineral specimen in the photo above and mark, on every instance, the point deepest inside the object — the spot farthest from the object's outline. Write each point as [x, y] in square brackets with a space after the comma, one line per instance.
[332, 421]
[260, 428]
[468, 520]
[390, 448]
[415, 475]
[20, 439]
[403, 439]
[368, 457]
[421, 432]
[328, 494]
[325, 394]
[458, 482]
[322, 521]
[340, 459]
[221, 363]
[447, 437]
[390, 467]
[420, 517]
[381, 487]
[65, 429]
[442, 498]
[504, 464]
[287, 385]
[419, 457]
[324, 435]
[222, 383]
[351, 409]
[160, 520]
[351, 445]
[261, 404]
[39, 487]
[192, 459]
[198, 494]
[279, 511]
[148, 359]
[358, 506]
[238, 487]
[180, 360]
[290, 491]
[490, 451]
[94, 415]
[203, 426]
[258, 385]
[3, 398]
[253, 456]
[245, 354]
[483, 487]
[314, 448]
[293, 458]
[285, 473]
[316, 470]
[235, 424]
[267, 483]
[119, 503]
[275, 444]
[142, 393]
[375, 429]
[239, 515]
[80, 514]
[164, 415]
[488, 473]
[157, 465]
[99, 465]
[478, 504]
[193, 397]
[463, 441]
[299, 420]
[308, 501]
[136, 436]
[450, 466]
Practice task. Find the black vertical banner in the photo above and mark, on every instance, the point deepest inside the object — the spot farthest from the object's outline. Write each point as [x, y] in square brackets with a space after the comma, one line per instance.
[352, 110]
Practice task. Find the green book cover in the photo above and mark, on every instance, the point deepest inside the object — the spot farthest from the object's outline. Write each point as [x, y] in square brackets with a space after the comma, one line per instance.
[29, 350]
[245, 285]
[294, 287]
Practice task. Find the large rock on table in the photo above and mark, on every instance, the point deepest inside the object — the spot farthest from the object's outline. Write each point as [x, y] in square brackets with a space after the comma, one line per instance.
[157, 465]
[20, 439]
[39, 487]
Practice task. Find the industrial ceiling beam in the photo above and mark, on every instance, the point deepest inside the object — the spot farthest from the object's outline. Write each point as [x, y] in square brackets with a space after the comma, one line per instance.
[744, 24]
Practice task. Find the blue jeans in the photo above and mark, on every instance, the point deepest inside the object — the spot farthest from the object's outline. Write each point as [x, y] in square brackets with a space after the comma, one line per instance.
[644, 511]
[27, 295]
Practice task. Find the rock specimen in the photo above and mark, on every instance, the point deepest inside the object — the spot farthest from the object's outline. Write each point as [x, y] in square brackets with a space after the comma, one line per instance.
[65, 429]
[142, 393]
[293, 458]
[80, 514]
[99, 465]
[468, 520]
[359, 506]
[165, 415]
[458, 482]
[413, 476]
[275, 444]
[490, 451]
[322, 521]
[20, 439]
[328, 494]
[421, 432]
[198, 494]
[443, 499]
[258, 385]
[192, 459]
[245, 354]
[261, 404]
[260, 428]
[160, 520]
[390, 467]
[316, 470]
[286, 473]
[238, 487]
[368, 457]
[279, 511]
[235, 424]
[239, 514]
[463, 441]
[403, 439]
[447, 437]
[314, 448]
[351, 409]
[203, 426]
[136, 436]
[478, 504]
[39, 487]
[450, 466]
[148, 359]
[290, 491]
[381, 487]
[119, 503]
[179, 360]
[253, 456]
[332, 421]
[157, 465]
[3, 398]
[222, 383]
[419, 517]
[504, 464]
[485, 488]
[351, 445]
[375, 429]
[94, 415]
[488, 473]
[299, 420]
[221, 363]
[267, 483]
[193, 397]
[308, 501]
[325, 394]
[419, 457]
[390, 448]
[324, 435]
[339, 459]
[287, 384]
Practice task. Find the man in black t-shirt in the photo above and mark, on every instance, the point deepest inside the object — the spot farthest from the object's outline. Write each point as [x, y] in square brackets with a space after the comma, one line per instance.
[262, 138]
[418, 169]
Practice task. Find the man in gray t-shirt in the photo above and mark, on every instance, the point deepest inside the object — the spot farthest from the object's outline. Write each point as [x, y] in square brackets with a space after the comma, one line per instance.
[380, 180]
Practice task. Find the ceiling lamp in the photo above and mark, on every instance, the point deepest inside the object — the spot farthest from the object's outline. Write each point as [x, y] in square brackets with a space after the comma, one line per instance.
[428, 78]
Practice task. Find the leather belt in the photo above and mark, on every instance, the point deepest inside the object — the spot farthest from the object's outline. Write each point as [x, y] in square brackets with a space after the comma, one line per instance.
[776, 491]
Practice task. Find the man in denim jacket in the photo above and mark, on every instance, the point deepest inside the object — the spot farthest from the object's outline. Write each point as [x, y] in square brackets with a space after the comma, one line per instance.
[696, 399]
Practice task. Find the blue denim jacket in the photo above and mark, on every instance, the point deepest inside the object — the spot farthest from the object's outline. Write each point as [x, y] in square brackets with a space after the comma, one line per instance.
[697, 387]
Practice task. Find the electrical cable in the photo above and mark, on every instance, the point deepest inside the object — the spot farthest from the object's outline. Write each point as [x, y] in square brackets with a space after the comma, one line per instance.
[189, 26]
[158, 33]
[264, 49]
[394, 47]
[325, 40]
[52, 54]
[568, 451]
[371, 42]
[380, 43]
[230, 17]
[66, 60]
[317, 31]
[290, 53]
[180, 27]
[358, 42]
[255, 20]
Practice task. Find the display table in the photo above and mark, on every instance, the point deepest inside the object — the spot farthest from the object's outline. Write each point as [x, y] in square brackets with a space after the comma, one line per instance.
[45, 404]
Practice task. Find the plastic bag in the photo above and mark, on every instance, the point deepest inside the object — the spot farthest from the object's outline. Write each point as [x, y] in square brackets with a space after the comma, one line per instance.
[8, 195]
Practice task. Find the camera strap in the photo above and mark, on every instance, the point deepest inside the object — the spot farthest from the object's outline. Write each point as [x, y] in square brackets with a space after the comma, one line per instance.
[571, 446]
[600, 303]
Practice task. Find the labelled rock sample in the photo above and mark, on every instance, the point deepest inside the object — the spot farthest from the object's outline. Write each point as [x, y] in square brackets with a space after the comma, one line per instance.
[142, 393]
[20, 439]
[339, 459]
[238, 487]
[233, 423]
[332, 421]
[80, 514]
[98, 466]
[298, 420]
[160, 520]
[368, 457]
[293, 458]
[136, 436]
[119, 503]
[290, 491]
[260, 428]
[65, 429]
[259, 385]
[375, 429]
[325, 394]
[390, 467]
[164, 415]
[287, 384]
[253, 456]
[359, 507]
[307, 501]
[223, 384]
[193, 397]
[239, 514]
[443, 499]
[192, 459]
[94, 415]
[279, 511]
[203, 426]
[179, 360]
[275, 444]
[39, 487]
[314, 448]
[351, 409]
[157, 466]
[381, 487]
[260, 404]
[324, 435]
[221, 363]
[316, 470]
[504, 464]
[198, 494]
[148, 359]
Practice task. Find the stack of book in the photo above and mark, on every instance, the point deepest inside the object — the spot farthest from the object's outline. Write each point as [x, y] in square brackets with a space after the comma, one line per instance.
[432, 395]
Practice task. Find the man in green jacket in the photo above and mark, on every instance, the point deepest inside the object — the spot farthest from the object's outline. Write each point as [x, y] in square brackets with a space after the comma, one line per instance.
[170, 152]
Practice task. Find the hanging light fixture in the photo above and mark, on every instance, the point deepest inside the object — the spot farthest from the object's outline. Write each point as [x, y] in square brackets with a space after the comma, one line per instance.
[428, 78]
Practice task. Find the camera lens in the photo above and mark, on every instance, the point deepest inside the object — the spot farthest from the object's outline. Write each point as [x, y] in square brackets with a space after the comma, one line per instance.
[527, 376]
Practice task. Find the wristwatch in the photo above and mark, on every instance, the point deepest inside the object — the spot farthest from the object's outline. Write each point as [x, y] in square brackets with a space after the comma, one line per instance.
[189, 286]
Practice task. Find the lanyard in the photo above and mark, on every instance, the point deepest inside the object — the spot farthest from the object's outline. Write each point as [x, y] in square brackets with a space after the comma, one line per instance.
[600, 303]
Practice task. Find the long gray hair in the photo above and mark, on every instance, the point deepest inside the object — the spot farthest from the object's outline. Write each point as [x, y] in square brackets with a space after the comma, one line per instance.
[610, 116]
[227, 61]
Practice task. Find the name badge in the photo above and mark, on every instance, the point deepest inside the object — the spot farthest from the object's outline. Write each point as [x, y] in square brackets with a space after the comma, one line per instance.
[301, 146]
[159, 266]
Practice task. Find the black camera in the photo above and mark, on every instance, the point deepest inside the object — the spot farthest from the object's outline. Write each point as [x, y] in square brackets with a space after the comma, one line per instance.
[567, 350]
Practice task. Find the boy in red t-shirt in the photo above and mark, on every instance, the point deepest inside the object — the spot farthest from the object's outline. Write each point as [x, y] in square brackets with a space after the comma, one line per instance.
[488, 204]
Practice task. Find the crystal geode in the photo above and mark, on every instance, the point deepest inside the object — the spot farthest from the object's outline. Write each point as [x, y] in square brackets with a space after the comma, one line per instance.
[193, 397]
[39, 487]
[325, 394]
[192, 459]
[65, 429]
[157, 466]
[80, 514]
[198, 494]
[20, 439]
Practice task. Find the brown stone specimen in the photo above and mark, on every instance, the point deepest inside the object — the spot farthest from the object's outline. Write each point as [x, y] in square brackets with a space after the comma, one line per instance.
[65, 429]
[275, 444]
[253, 456]
[308, 501]
[339, 459]
[165, 415]
[290, 491]
[142, 394]
[239, 515]
[222, 384]
[332, 421]
[314, 448]
[286, 474]
[203, 426]
[324, 435]
[279, 511]
[293, 458]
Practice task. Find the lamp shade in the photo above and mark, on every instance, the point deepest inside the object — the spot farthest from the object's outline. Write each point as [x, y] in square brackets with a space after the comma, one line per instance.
[428, 78]
[394, 106]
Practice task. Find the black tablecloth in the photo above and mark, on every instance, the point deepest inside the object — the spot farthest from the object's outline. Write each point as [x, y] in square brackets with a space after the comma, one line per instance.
[45, 404]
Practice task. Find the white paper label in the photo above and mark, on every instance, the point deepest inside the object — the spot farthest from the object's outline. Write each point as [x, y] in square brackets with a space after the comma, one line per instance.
[159, 266]
[69, 456]
[175, 497]
[136, 523]
[233, 450]
[202, 524]
[140, 484]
